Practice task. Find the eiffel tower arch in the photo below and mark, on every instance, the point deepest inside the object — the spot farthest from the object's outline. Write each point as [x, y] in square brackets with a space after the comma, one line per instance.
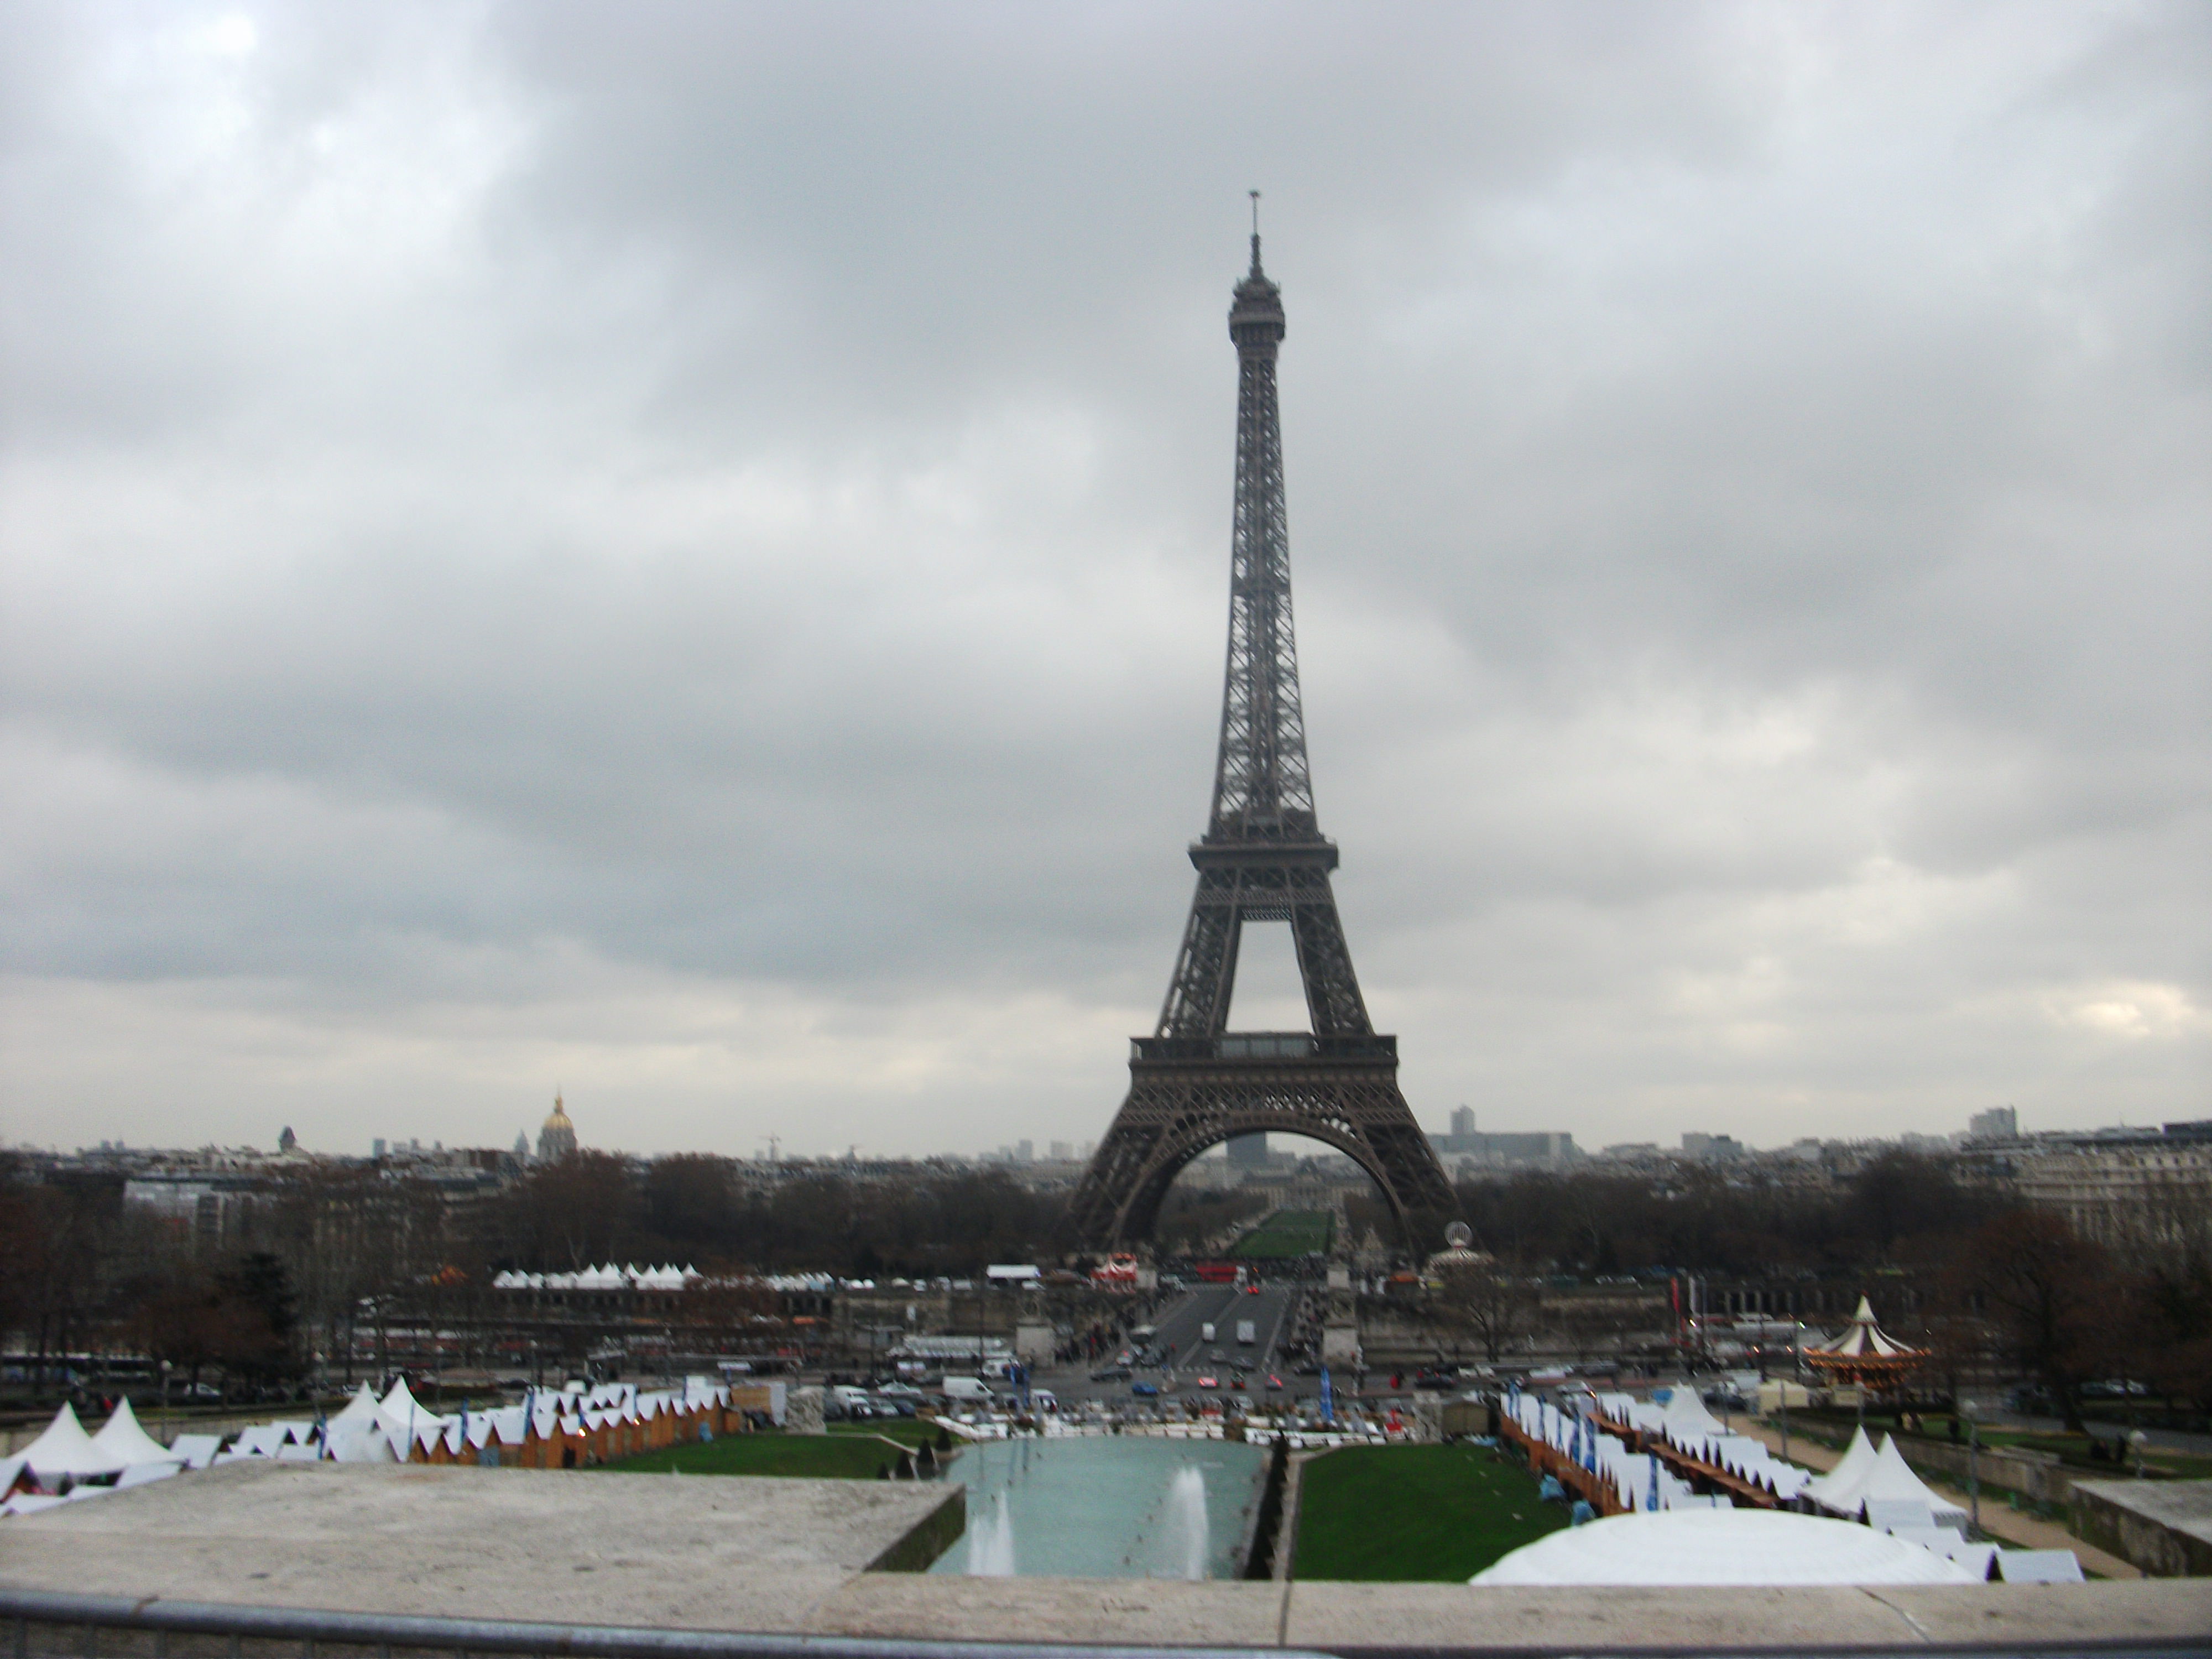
[1193, 1083]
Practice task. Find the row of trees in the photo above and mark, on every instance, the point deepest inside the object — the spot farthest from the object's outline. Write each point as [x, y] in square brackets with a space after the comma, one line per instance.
[1990, 1285]
[326, 1248]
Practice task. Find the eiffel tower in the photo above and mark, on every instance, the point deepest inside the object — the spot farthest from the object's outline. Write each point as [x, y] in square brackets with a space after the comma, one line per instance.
[1193, 1083]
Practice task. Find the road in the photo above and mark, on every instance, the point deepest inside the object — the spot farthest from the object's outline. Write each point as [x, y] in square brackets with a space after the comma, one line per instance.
[1186, 1356]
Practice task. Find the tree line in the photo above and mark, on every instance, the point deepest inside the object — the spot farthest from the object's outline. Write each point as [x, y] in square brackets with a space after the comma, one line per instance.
[320, 1250]
[1991, 1285]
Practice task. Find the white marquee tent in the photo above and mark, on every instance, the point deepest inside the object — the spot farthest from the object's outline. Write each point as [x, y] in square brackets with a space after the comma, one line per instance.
[121, 1436]
[1721, 1547]
[1891, 1480]
[66, 1450]
[1836, 1491]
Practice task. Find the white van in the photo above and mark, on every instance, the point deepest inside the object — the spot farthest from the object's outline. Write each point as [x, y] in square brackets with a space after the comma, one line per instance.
[1205, 1332]
[971, 1390]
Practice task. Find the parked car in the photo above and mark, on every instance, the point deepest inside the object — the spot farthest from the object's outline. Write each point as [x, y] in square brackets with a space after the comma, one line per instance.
[1145, 1390]
[1209, 1381]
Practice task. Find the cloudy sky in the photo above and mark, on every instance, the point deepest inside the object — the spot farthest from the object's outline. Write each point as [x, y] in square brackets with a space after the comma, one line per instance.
[680, 553]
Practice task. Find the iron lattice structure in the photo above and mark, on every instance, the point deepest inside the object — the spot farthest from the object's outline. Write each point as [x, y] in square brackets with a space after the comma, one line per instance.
[1193, 1083]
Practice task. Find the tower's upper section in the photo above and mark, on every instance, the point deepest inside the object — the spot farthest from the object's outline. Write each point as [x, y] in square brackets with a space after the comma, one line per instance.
[1255, 320]
[1261, 790]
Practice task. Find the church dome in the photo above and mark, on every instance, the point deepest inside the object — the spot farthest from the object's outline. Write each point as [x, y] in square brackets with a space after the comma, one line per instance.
[557, 1139]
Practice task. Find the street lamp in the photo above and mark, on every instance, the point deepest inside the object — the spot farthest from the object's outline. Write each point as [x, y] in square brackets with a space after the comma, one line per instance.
[1972, 1413]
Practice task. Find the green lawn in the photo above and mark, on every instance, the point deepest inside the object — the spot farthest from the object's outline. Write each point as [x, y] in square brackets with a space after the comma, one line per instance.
[1416, 1512]
[1286, 1235]
[906, 1431]
[819, 1457]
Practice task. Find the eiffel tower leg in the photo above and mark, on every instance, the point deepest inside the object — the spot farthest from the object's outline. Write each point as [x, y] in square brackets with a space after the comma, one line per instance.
[1174, 1112]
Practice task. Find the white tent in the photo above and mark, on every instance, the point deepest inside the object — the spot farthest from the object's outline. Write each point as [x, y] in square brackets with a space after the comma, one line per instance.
[139, 1473]
[362, 1409]
[1891, 1480]
[1686, 1416]
[1721, 1546]
[66, 1450]
[121, 1436]
[360, 1443]
[195, 1451]
[11, 1470]
[260, 1440]
[1841, 1484]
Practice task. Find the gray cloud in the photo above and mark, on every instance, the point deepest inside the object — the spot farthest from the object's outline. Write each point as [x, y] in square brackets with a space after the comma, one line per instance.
[682, 554]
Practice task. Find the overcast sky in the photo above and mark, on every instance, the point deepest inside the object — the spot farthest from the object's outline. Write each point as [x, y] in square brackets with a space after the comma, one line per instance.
[679, 553]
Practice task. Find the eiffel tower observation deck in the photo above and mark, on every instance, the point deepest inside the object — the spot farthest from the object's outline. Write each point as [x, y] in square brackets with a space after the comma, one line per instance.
[1193, 1083]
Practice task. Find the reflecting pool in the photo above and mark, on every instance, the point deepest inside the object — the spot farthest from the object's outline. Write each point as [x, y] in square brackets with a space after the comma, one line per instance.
[1120, 1507]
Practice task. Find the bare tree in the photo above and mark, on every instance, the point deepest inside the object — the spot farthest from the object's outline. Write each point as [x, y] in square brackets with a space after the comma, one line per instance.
[1484, 1300]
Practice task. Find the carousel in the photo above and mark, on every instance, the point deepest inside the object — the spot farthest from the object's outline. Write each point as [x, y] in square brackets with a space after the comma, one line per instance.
[1865, 1356]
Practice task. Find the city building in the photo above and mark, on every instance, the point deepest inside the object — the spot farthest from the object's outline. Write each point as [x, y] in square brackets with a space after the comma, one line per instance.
[1999, 1124]
[2123, 1188]
[1544, 1149]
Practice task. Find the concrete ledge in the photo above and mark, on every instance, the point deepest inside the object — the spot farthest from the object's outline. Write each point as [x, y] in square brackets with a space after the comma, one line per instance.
[2137, 1610]
[566, 1546]
[792, 1557]
[1222, 1612]
[1420, 1619]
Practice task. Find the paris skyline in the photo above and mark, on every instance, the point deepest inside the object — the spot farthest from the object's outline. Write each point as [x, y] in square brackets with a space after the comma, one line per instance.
[682, 558]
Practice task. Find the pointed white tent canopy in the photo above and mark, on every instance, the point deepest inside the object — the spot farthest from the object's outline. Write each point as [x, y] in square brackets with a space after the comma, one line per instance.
[66, 1450]
[1891, 1480]
[362, 1409]
[399, 1402]
[1686, 1416]
[1844, 1480]
[121, 1436]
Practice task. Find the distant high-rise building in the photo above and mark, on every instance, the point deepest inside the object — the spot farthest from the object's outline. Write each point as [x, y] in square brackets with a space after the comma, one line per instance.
[376, 1147]
[1061, 1151]
[1711, 1149]
[557, 1139]
[1025, 1152]
[1999, 1124]
[1462, 1120]
[1247, 1151]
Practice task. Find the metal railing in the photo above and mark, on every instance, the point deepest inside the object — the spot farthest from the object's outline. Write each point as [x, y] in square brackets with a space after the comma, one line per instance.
[55, 1625]
[1265, 1045]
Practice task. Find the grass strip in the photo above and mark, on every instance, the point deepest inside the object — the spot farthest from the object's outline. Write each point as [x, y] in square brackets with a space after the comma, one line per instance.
[1435, 1513]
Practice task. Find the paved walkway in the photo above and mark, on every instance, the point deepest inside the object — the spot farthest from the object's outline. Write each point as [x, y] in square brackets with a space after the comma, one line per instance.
[1997, 1519]
[2179, 1440]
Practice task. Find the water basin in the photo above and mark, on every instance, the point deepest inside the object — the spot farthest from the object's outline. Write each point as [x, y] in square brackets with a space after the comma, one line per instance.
[1122, 1507]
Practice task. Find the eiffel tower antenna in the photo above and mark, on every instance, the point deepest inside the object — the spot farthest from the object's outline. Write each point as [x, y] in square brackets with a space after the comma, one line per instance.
[1193, 1083]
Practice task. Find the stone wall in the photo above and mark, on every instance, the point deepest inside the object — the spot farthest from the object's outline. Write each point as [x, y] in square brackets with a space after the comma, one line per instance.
[2035, 1475]
[2164, 1527]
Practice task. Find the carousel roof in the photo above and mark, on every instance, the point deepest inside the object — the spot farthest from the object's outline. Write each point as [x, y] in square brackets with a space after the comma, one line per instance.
[1863, 1342]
